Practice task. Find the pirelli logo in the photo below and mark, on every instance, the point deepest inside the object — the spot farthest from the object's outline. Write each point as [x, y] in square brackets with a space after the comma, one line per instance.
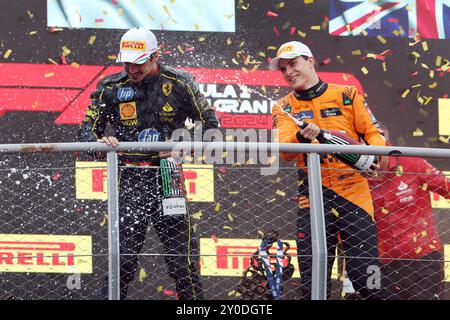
[282, 50]
[133, 45]
[45, 253]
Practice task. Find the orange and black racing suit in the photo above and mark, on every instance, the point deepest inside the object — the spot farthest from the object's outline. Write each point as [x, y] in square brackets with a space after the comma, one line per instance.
[347, 201]
[161, 103]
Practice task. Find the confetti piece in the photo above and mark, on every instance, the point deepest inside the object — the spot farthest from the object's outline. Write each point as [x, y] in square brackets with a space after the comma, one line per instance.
[230, 217]
[112, 57]
[432, 85]
[52, 61]
[444, 140]
[308, 1]
[271, 14]
[66, 51]
[233, 192]
[49, 74]
[425, 46]
[335, 212]
[32, 33]
[30, 14]
[217, 208]
[405, 93]
[438, 61]
[142, 275]
[104, 220]
[315, 27]
[277, 33]
[418, 250]
[399, 170]
[340, 59]
[56, 176]
[159, 289]
[384, 66]
[364, 70]
[281, 193]
[356, 52]
[301, 34]
[227, 228]
[7, 54]
[325, 61]
[425, 186]
[428, 100]
[418, 133]
[91, 40]
[384, 210]
[381, 39]
[198, 215]
[201, 39]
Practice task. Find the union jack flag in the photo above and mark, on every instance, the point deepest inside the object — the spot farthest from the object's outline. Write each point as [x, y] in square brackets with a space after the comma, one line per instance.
[390, 18]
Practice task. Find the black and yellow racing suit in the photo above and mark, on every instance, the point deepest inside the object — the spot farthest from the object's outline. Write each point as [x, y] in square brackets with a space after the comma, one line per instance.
[162, 102]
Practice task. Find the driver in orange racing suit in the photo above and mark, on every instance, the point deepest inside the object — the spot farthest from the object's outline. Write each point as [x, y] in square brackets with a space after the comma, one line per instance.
[348, 205]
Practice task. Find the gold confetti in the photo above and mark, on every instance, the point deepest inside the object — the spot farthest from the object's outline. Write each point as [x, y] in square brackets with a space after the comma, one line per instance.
[384, 210]
[159, 288]
[142, 275]
[424, 46]
[432, 85]
[424, 66]
[227, 228]
[335, 212]
[104, 220]
[271, 48]
[32, 33]
[308, 1]
[52, 61]
[30, 14]
[301, 34]
[438, 61]
[356, 52]
[233, 192]
[405, 93]
[230, 217]
[431, 74]
[418, 133]
[444, 140]
[180, 49]
[49, 74]
[201, 39]
[418, 250]
[271, 200]
[217, 208]
[66, 51]
[315, 27]
[281, 193]
[428, 100]
[198, 215]
[92, 40]
[234, 61]
[229, 41]
[416, 85]
[364, 70]
[381, 39]
[112, 57]
[384, 66]
[280, 5]
[7, 54]
[425, 186]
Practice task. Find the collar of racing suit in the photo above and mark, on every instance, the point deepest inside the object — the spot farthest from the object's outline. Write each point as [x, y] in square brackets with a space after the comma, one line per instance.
[313, 92]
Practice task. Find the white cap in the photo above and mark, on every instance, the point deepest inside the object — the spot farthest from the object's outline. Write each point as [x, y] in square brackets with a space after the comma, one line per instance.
[290, 50]
[137, 45]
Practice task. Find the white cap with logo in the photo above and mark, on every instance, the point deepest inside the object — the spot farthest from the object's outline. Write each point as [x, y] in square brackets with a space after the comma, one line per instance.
[137, 45]
[290, 50]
